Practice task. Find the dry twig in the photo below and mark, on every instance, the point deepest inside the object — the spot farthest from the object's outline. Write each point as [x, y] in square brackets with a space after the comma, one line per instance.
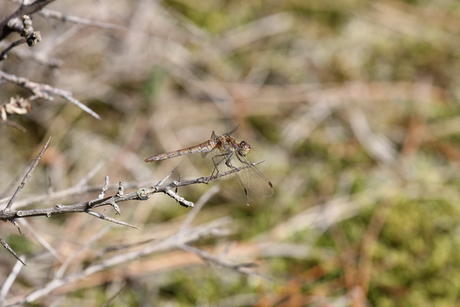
[27, 175]
[140, 194]
[40, 239]
[172, 242]
[12, 23]
[21, 185]
[75, 190]
[10, 47]
[42, 90]
[10, 279]
[179, 240]
[240, 267]
[79, 20]
[10, 250]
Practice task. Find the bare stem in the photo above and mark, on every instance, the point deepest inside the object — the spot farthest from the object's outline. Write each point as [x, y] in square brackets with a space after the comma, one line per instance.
[140, 194]
[27, 174]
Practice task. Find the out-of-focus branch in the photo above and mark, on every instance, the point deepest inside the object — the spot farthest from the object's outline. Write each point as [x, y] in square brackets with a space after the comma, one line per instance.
[40, 239]
[38, 58]
[63, 268]
[42, 90]
[79, 20]
[10, 280]
[169, 243]
[239, 267]
[377, 145]
[259, 29]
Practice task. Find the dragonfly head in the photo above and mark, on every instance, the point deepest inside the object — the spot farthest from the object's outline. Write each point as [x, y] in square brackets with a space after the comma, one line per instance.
[243, 148]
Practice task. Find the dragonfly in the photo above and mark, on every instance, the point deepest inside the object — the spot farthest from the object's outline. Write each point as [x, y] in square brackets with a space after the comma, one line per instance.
[227, 147]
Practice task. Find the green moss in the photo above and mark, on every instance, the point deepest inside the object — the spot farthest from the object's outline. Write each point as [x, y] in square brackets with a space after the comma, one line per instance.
[332, 15]
[415, 256]
[414, 259]
[188, 290]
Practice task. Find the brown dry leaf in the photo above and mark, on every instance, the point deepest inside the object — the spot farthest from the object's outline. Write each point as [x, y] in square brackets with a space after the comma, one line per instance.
[16, 105]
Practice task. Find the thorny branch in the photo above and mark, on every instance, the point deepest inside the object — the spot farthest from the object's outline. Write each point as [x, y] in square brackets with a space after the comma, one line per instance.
[21, 22]
[47, 13]
[10, 280]
[18, 22]
[27, 175]
[10, 250]
[20, 186]
[87, 207]
[140, 194]
[78, 189]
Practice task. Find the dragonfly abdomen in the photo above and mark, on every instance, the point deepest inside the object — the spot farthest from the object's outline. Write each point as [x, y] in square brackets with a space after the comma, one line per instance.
[162, 156]
[203, 147]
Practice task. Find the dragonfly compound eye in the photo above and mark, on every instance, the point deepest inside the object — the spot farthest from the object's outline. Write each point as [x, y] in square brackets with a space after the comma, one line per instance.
[244, 148]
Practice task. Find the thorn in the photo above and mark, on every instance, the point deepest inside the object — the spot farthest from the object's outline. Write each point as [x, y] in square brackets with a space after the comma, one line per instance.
[8, 248]
[104, 188]
[17, 226]
[115, 206]
[109, 219]
[121, 189]
[27, 174]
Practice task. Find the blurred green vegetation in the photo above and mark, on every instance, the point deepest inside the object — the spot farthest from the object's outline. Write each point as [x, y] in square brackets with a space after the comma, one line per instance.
[414, 256]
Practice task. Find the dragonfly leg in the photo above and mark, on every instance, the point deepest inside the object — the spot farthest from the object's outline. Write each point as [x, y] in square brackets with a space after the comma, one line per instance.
[228, 163]
[228, 160]
[243, 160]
[223, 156]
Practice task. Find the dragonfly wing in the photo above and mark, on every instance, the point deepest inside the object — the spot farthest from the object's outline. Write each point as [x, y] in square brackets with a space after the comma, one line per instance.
[255, 170]
[232, 131]
[205, 153]
[252, 186]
